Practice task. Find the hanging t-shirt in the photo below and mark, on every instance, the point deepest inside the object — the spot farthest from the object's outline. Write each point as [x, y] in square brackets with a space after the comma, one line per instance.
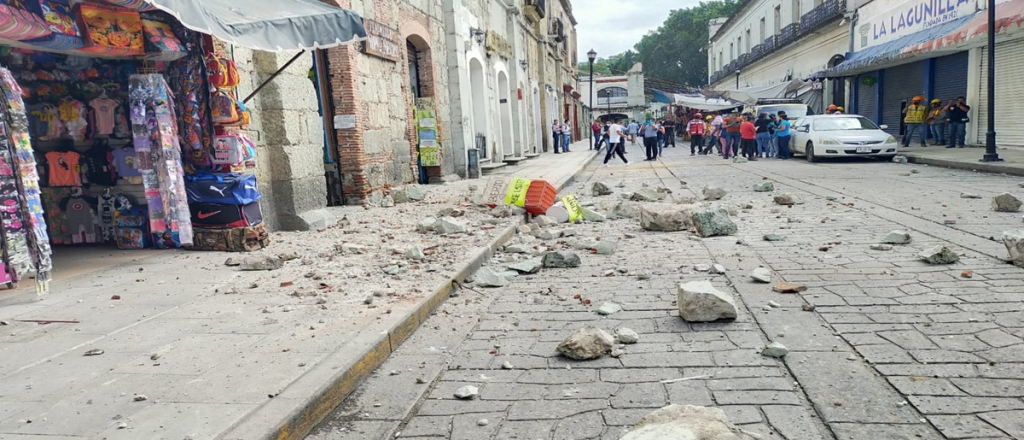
[81, 220]
[124, 162]
[103, 111]
[39, 120]
[64, 168]
[96, 163]
[72, 114]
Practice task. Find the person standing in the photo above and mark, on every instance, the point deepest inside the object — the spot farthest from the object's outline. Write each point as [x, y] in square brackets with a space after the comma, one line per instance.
[616, 143]
[762, 136]
[732, 132]
[598, 138]
[915, 115]
[670, 132]
[696, 129]
[958, 120]
[937, 122]
[748, 138]
[784, 136]
[634, 129]
[773, 141]
[556, 134]
[651, 132]
[566, 136]
[717, 133]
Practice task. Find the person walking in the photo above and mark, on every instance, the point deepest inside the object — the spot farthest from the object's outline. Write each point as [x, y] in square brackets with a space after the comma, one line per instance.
[616, 143]
[556, 134]
[937, 122]
[651, 132]
[670, 132]
[717, 133]
[914, 117]
[732, 132]
[762, 136]
[661, 136]
[696, 129]
[784, 136]
[748, 138]
[598, 138]
[566, 136]
[773, 141]
[958, 120]
[633, 129]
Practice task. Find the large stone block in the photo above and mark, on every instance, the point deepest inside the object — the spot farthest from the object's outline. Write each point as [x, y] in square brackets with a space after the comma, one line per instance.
[686, 422]
[1014, 241]
[700, 301]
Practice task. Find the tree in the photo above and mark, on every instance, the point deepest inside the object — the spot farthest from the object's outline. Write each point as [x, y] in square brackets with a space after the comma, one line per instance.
[675, 53]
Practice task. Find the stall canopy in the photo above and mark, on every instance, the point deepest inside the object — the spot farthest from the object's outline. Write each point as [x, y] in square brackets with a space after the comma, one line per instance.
[269, 25]
[750, 95]
[703, 103]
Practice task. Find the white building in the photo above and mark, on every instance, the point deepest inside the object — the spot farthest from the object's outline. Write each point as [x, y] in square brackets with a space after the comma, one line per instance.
[616, 96]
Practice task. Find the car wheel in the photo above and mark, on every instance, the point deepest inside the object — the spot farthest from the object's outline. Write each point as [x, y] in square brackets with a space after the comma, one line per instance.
[810, 152]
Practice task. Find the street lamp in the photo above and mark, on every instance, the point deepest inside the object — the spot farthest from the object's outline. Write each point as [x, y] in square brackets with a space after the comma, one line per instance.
[591, 56]
[737, 79]
[990, 135]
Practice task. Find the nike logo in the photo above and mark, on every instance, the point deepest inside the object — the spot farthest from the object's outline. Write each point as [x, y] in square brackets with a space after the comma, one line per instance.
[205, 215]
[219, 190]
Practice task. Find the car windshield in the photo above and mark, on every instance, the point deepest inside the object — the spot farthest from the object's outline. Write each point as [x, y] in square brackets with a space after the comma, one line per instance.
[839, 123]
[794, 111]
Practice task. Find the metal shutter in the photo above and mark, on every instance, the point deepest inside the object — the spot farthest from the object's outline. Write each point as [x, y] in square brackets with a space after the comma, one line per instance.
[950, 77]
[866, 99]
[901, 84]
[1010, 91]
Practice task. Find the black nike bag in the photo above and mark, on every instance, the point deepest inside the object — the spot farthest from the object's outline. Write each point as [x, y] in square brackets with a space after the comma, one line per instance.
[218, 215]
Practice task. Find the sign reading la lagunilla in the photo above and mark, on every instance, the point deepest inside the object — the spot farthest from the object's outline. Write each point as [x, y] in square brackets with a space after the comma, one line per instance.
[918, 15]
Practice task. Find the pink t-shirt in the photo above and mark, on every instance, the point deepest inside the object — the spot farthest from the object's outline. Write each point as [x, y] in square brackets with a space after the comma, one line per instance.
[104, 111]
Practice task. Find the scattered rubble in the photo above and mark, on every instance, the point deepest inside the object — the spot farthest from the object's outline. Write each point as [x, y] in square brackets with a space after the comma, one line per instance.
[774, 237]
[604, 247]
[939, 255]
[601, 189]
[775, 350]
[468, 392]
[712, 223]
[527, 266]
[897, 237]
[808, 307]
[609, 308]
[261, 262]
[587, 342]
[627, 336]
[664, 218]
[761, 275]
[764, 187]
[739, 159]
[449, 225]
[1014, 241]
[713, 193]
[967, 274]
[969, 196]
[881, 247]
[899, 158]
[648, 195]
[701, 267]
[593, 216]
[545, 221]
[94, 352]
[488, 277]
[561, 260]
[426, 225]
[1006, 202]
[787, 199]
[686, 422]
[786, 287]
[717, 269]
[700, 301]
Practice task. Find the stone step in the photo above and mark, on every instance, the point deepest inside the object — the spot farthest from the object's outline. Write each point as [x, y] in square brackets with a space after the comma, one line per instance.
[489, 167]
[531, 155]
[512, 160]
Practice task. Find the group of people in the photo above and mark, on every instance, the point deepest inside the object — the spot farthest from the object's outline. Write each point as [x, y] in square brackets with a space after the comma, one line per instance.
[934, 119]
[655, 135]
[561, 136]
[736, 134]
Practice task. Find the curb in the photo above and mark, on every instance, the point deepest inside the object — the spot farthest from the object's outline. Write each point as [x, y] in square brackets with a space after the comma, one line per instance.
[984, 167]
[337, 376]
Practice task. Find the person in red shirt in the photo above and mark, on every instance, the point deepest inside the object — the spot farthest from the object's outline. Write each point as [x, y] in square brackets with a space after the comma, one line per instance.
[748, 138]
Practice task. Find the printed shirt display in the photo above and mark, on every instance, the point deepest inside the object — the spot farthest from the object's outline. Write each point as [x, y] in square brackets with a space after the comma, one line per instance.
[104, 114]
[64, 169]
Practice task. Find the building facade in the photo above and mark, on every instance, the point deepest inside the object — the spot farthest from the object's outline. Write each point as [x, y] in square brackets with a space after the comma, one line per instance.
[617, 96]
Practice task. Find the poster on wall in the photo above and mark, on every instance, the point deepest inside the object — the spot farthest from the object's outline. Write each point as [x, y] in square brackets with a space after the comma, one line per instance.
[426, 128]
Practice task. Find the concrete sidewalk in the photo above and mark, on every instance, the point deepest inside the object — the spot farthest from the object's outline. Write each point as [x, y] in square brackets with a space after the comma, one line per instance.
[968, 159]
[183, 359]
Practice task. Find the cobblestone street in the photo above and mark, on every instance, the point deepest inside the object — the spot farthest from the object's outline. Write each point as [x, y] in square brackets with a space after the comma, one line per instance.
[882, 345]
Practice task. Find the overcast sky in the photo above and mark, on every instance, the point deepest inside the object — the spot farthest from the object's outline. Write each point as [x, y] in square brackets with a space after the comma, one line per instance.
[614, 26]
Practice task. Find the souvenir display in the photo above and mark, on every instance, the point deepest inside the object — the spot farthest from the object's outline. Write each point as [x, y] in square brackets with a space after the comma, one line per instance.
[228, 150]
[139, 5]
[22, 20]
[109, 30]
[129, 228]
[26, 233]
[161, 43]
[188, 78]
[64, 34]
[158, 159]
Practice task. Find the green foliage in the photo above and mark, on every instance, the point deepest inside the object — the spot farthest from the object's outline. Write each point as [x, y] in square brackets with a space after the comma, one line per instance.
[675, 52]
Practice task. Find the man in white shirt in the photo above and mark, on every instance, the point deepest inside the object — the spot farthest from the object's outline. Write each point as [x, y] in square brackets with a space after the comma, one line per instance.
[556, 135]
[615, 144]
[566, 136]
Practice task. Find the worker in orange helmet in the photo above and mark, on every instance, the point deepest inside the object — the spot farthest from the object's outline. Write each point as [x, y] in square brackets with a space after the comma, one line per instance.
[831, 109]
[914, 117]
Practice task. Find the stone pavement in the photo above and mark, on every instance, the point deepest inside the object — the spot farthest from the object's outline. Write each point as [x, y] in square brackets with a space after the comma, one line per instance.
[192, 348]
[968, 159]
[893, 348]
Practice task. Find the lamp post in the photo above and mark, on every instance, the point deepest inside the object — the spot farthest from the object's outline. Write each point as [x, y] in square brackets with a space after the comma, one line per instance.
[990, 135]
[591, 56]
[737, 79]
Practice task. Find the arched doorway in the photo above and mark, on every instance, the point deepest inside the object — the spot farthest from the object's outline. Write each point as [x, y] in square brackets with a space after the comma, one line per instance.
[479, 102]
[838, 85]
[505, 113]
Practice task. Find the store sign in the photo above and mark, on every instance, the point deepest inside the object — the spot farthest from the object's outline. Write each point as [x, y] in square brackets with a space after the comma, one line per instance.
[381, 41]
[884, 21]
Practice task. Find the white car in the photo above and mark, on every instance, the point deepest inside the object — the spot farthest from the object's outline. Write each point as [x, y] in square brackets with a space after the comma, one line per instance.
[825, 136]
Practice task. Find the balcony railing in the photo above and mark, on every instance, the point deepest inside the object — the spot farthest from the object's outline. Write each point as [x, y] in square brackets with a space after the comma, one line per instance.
[788, 34]
[821, 15]
[539, 7]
